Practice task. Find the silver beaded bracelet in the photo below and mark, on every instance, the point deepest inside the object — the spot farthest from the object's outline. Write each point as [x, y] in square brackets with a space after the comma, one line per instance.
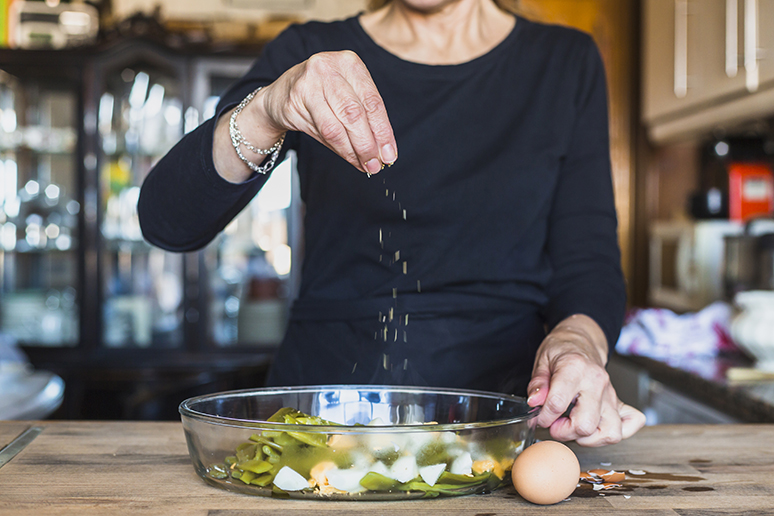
[238, 139]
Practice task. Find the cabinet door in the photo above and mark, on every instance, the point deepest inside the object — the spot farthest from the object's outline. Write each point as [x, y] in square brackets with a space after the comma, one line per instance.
[671, 57]
[766, 42]
[140, 117]
[721, 38]
[39, 211]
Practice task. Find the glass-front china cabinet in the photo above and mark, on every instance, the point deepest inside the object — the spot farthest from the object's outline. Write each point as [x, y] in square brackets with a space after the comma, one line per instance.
[131, 328]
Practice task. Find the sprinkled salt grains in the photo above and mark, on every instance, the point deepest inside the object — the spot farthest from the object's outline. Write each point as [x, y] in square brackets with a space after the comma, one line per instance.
[405, 268]
[353, 368]
[419, 286]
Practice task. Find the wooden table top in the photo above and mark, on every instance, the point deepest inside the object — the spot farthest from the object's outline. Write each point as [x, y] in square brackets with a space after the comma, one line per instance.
[143, 468]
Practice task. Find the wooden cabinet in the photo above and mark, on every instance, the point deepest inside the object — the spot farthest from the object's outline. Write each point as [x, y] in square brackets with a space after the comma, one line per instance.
[706, 64]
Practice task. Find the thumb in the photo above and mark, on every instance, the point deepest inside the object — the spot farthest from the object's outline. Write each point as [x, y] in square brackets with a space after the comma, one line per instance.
[631, 420]
[537, 391]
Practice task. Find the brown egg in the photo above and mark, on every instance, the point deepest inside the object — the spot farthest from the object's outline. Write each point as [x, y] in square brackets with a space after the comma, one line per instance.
[546, 472]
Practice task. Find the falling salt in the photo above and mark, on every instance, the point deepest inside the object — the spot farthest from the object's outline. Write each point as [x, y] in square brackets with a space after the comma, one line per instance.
[391, 314]
[387, 192]
[405, 268]
[394, 293]
[404, 336]
[353, 368]
[405, 364]
[404, 214]
[419, 286]
[396, 335]
[386, 359]
[397, 256]
[406, 319]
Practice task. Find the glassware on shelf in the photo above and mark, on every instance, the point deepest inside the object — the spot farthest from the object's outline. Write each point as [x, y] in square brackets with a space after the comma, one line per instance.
[139, 118]
[38, 214]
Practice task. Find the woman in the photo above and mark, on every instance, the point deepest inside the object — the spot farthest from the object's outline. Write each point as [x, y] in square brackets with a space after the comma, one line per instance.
[496, 224]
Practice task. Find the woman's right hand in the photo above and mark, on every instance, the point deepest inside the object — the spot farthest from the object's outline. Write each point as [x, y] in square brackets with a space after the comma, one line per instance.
[331, 97]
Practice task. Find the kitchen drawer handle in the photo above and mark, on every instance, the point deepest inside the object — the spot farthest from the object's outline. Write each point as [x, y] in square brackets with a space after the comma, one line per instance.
[681, 48]
[751, 44]
[732, 37]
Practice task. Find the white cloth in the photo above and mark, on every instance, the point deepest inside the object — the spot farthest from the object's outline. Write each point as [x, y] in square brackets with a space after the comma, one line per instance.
[660, 333]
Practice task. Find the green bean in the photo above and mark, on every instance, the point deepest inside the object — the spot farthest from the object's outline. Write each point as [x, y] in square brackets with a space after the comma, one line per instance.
[256, 466]
[278, 417]
[231, 459]
[283, 439]
[245, 452]
[265, 441]
[247, 476]
[271, 455]
[318, 440]
[217, 471]
[378, 482]
[263, 480]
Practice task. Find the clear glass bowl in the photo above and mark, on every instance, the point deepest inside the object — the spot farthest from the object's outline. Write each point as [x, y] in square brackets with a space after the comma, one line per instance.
[378, 443]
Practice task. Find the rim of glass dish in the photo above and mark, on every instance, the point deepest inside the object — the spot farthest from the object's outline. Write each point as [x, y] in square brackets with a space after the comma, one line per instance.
[186, 410]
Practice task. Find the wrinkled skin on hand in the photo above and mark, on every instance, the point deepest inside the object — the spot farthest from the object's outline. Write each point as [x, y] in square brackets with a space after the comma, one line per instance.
[569, 373]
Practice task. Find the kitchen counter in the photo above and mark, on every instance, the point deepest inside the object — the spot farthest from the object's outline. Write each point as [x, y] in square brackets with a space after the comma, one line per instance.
[143, 468]
[705, 379]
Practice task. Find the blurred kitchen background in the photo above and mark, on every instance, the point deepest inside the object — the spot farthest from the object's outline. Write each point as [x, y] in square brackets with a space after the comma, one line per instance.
[97, 324]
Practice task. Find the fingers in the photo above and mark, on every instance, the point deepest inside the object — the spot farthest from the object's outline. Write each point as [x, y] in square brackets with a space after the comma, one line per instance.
[572, 379]
[333, 98]
[578, 401]
[631, 420]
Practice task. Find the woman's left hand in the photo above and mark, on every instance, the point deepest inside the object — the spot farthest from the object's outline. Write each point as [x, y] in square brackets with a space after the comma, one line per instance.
[569, 373]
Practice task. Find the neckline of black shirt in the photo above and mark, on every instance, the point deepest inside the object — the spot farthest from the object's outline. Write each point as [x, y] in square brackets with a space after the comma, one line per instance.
[429, 70]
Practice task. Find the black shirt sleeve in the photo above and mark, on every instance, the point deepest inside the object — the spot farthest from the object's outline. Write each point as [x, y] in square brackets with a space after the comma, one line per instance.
[582, 240]
[184, 203]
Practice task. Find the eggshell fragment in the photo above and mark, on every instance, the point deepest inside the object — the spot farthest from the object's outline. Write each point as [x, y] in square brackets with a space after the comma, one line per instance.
[546, 472]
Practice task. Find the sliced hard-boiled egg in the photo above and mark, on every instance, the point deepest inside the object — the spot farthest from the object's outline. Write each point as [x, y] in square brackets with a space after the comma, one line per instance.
[462, 465]
[347, 479]
[430, 474]
[288, 479]
[404, 469]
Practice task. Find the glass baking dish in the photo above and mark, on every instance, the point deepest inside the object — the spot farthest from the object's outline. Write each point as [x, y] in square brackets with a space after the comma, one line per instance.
[356, 442]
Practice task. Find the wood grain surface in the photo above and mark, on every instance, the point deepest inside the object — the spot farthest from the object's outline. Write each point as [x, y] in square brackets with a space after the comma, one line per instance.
[143, 468]
[10, 430]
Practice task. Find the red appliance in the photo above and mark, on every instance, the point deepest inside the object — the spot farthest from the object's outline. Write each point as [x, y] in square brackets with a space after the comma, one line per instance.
[750, 191]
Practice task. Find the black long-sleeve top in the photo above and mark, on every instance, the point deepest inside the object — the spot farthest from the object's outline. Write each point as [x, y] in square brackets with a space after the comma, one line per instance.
[500, 204]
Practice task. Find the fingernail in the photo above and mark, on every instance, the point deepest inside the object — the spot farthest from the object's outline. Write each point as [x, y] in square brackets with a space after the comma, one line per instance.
[373, 166]
[388, 154]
